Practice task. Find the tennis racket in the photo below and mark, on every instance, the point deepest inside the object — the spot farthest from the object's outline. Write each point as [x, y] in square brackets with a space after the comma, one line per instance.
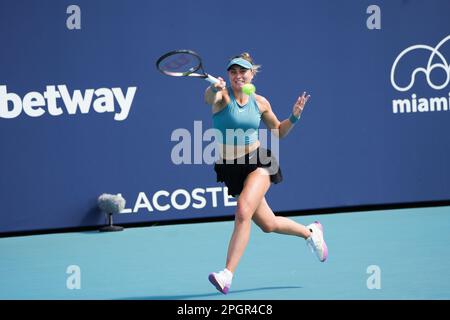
[183, 63]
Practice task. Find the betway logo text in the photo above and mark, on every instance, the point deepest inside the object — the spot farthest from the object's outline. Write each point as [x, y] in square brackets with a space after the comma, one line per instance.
[56, 100]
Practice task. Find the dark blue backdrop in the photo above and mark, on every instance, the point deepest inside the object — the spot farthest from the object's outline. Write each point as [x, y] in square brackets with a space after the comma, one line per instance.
[348, 149]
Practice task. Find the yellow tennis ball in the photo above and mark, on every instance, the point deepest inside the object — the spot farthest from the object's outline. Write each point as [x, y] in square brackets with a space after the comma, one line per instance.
[248, 88]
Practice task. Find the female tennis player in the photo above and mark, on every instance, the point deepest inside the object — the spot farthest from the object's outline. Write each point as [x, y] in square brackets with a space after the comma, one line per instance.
[246, 168]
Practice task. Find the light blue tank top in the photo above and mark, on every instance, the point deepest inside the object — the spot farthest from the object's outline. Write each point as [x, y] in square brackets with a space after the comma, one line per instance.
[242, 120]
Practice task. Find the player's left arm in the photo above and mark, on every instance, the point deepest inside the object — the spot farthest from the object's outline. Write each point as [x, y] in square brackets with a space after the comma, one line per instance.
[281, 128]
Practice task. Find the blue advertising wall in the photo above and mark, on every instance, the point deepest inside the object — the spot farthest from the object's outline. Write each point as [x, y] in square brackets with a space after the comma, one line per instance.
[375, 131]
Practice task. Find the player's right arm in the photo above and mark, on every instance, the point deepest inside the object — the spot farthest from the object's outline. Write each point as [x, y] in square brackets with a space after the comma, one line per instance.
[216, 95]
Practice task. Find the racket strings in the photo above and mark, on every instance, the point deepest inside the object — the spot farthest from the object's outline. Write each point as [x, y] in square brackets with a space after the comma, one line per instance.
[179, 64]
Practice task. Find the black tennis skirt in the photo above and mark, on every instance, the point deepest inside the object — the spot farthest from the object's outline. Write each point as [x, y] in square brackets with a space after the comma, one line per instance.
[234, 172]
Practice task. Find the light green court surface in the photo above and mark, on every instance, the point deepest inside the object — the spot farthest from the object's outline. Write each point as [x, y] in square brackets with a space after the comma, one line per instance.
[409, 246]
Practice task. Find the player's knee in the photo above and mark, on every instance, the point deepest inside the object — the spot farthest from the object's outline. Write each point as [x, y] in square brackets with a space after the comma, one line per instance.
[243, 211]
[268, 227]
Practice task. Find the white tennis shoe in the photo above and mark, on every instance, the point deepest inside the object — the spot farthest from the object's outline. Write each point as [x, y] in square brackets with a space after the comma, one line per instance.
[316, 241]
[221, 280]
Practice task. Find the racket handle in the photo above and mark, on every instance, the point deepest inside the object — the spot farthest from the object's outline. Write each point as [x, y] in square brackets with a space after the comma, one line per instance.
[211, 79]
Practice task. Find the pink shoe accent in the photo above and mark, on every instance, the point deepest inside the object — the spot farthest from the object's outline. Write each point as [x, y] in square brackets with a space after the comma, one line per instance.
[325, 251]
[325, 248]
